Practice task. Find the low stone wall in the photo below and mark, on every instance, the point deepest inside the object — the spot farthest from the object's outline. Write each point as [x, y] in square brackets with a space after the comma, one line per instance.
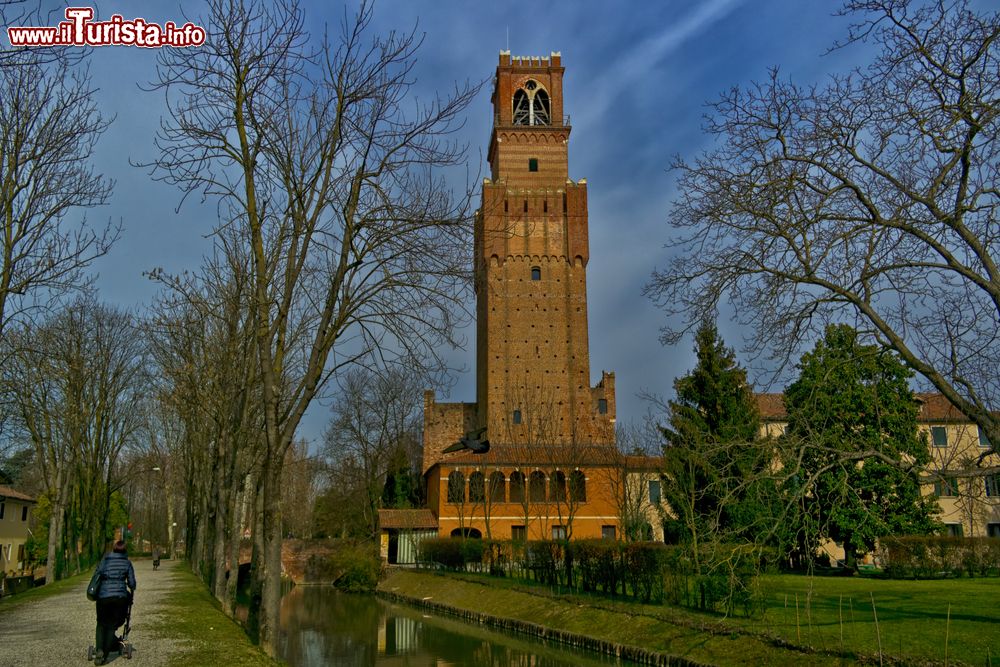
[634, 653]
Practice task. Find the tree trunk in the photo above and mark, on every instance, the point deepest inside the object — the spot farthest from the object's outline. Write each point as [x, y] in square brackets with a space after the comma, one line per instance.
[271, 589]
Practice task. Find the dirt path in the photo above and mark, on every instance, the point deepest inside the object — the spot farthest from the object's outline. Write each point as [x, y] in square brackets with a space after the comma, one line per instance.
[57, 630]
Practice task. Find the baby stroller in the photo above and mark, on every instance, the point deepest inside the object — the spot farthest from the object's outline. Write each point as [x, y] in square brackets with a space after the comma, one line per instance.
[125, 647]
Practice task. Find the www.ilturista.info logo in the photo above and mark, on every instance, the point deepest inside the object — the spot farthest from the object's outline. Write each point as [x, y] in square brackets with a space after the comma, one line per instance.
[80, 30]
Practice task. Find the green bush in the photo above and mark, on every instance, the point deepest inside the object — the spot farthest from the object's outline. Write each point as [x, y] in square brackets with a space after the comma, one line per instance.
[920, 557]
[355, 568]
[643, 566]
[443, 551]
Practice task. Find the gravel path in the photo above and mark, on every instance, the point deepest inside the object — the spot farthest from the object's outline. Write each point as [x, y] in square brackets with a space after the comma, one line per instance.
[57, 630]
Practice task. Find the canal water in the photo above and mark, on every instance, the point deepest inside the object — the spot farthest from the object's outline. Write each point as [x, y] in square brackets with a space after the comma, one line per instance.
[321, 626]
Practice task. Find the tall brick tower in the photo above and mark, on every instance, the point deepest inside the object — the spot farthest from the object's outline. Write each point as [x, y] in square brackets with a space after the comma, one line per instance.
[531, 254]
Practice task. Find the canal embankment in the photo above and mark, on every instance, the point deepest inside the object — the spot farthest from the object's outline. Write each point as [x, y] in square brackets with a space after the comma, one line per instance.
[647, 634]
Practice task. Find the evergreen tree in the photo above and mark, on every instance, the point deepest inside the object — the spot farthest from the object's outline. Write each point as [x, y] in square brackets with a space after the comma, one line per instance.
[852, 421]
[713, 455]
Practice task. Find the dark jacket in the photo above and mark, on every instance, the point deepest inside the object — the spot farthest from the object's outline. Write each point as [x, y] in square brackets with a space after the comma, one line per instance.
[117, 571]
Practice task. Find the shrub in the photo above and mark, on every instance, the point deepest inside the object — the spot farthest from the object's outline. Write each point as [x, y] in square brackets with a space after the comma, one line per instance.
[351, 567]
[444, 551]
[643, 565]
[919, 557]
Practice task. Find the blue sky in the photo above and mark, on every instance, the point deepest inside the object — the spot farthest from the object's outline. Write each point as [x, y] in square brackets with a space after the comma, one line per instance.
[638, 75]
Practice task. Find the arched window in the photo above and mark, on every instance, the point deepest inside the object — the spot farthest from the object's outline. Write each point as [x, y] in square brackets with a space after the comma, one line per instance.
[522, 108]
[477, 487]
[531, 105]
[536, 273]
[578, 486]
[517, 416]
[557, 486]
[517, 487]
[468, 533]
[456, 487]
[536, 487]
[497, 494]
[541, 108]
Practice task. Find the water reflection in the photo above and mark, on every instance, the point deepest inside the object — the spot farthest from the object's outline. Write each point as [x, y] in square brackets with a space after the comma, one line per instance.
[323, 627]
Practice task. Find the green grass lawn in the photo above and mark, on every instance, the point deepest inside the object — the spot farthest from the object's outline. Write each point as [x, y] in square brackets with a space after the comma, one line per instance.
[42, 592]
[912, 616]
[208, 636]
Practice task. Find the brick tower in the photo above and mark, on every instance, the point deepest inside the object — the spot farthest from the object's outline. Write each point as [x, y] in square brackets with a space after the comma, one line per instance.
[531, 254]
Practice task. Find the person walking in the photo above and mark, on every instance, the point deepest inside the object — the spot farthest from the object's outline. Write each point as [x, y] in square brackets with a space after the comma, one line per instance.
[156, 557]
[113, 599]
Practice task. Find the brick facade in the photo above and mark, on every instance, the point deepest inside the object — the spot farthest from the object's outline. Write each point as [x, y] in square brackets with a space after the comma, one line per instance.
[533, 391]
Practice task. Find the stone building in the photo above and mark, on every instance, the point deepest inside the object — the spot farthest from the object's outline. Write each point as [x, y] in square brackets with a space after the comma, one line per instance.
[15, 521]
[970, 504]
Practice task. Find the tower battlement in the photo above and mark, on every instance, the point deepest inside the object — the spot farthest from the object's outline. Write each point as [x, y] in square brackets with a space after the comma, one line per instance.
[553, 60]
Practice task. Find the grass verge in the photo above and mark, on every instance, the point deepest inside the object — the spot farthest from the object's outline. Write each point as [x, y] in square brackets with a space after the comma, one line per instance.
[195, 620]
[41, 592]
[834, 618]
[656, 628]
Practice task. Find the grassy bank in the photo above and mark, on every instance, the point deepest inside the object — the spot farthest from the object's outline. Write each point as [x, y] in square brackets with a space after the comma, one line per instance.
[42, 592]
[656, 628]
[194, 619]
[913, 616]
[834, 618]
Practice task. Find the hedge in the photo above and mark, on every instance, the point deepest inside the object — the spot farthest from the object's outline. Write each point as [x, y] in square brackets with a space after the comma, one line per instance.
[918, 557]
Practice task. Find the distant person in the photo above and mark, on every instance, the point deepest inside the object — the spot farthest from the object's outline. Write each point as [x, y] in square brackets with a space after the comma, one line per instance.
[113, 600]
[156, 557]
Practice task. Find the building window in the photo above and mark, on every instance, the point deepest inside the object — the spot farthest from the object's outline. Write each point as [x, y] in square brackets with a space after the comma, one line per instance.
[993, 486]
[557, 486]
[536, 487]
[654, 491]
[954, 529]
[477, 487]
[536, 273]
[497, 491]
[531, 105]
[578, 486]
[983, 440]
[24, 513]
[939, 436]
[517, 487]
[558, 532]
[525, 205]
[518, 533]
[608, 533]
[993, 530]
[456, 487]
[533, 164]
[946, 488]
[602, 406]
[517, 417]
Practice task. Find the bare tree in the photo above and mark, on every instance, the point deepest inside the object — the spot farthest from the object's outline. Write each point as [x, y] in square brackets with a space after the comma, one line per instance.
[49, 125]
[203, 344]
[359, 252]
[78, 379]
[637, 464]
[374, 417]
[871, 199]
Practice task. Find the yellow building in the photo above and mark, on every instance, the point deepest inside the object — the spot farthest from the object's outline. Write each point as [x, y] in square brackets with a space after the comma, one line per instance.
[15, 517]
[970, 503]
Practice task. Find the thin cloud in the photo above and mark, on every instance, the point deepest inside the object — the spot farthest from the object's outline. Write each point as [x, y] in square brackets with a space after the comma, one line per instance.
[626, 71]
